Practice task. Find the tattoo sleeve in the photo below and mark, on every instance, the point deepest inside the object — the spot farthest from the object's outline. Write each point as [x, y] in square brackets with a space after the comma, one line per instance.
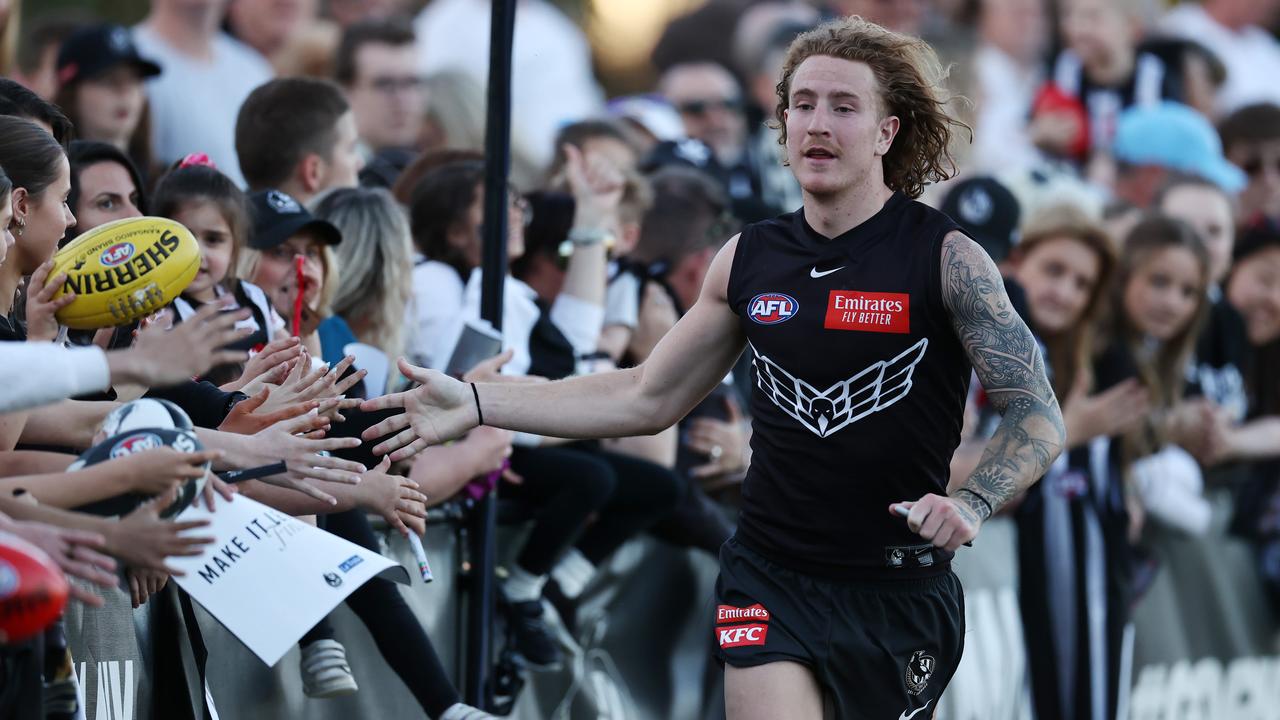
[1008, 363]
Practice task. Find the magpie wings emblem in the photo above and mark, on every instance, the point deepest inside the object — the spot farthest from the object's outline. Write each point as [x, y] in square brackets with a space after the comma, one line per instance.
[825, 412]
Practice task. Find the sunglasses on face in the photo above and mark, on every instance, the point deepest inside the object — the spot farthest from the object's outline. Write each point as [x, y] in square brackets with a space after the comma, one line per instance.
[702, 107]
[391, 85]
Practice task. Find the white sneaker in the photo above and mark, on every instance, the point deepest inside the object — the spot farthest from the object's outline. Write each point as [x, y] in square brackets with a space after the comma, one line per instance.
[325, 672]
[458, 711]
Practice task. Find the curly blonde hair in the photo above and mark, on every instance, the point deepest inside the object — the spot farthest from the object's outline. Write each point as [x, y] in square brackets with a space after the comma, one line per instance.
[910, 79]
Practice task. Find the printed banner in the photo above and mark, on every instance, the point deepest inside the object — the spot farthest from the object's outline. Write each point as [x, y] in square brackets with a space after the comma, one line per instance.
[269, 578]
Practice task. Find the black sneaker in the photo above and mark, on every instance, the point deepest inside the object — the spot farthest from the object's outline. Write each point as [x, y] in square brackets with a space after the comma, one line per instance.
[533, 639]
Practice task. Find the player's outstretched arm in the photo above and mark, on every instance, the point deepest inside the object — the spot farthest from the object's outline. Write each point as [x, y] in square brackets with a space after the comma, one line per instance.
[1008, 363]
[684, 367]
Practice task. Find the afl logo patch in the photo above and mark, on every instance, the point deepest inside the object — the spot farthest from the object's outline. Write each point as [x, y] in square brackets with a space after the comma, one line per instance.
[135, 444]
[116, 254]
[772, 308]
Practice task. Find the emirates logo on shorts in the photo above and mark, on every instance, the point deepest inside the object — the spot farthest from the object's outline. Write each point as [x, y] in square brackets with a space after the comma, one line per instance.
[732, 634]
[919, 670]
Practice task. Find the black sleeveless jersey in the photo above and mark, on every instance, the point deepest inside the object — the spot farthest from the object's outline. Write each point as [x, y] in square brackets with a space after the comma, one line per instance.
[859, 389]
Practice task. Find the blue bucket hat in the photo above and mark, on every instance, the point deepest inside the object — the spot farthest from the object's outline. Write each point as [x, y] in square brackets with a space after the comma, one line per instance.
[1176, 137]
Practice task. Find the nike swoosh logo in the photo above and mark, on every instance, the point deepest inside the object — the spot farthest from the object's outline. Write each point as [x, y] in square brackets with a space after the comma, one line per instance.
[815, 274]
[905, 716]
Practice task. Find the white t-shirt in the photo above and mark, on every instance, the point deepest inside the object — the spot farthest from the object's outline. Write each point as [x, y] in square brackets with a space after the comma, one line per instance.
[552, 81]
[1251, 56]
[1006, 90]
[442, 304]
[194, 103]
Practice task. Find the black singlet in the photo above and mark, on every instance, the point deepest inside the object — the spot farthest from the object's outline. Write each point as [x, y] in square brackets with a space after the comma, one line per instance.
[859, 389]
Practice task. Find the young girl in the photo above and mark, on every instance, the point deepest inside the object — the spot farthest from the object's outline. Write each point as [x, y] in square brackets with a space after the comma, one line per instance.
[210, 205]
[1075, 516]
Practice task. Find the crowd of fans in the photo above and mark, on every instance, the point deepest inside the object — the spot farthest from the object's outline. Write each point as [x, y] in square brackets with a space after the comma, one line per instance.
[1124, 172]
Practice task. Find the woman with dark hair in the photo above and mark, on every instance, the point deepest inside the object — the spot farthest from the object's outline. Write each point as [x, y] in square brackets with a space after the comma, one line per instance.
[101, 92]
[105, 186]
[41, 180]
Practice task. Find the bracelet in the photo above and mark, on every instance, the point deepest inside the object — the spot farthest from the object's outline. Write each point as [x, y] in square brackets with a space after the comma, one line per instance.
[476, 394]
[990, 510]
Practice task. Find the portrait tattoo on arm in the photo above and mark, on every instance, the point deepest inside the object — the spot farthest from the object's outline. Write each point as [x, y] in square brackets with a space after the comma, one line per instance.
[1008, 363]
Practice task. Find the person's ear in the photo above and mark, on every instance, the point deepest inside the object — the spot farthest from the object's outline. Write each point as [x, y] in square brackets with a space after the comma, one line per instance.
[21, 204]
[311, 171]
[888, 131]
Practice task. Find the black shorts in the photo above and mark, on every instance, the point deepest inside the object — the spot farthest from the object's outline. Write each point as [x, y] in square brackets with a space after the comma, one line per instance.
[880, 649]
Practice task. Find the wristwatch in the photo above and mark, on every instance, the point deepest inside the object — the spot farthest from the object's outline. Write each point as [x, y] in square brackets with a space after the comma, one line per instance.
[585, 238]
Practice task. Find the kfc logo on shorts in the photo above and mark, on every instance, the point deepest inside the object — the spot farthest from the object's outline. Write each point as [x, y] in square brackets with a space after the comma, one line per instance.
[135, 444]
[772, 308]
[919, 670]
[742, 635]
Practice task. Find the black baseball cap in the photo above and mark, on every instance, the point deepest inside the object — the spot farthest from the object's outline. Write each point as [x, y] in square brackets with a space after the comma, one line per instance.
[987, 212]
[278, 217]
[98, 48]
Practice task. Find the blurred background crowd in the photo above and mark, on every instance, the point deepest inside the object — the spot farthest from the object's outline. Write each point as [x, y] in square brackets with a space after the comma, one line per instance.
[1123, 169]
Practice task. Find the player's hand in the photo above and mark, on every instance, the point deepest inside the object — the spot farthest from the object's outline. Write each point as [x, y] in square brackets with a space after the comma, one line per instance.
[439, 409]
[944, 521]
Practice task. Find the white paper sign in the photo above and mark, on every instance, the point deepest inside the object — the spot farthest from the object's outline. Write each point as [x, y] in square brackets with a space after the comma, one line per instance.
[268, 577]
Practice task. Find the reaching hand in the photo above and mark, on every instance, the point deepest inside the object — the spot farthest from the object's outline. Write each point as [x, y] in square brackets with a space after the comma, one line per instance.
[270, 365]
[944, 521]
[76, 552]
[723, 441]
[144, 583]
[143, 540]
[245, 418]
[42, 326]
[596, 184]
[306, 458]
[657, 315]
[1115, 411]
[160, 358]
[393, 497]
[489, 370]
[159, 470]
[439, 409]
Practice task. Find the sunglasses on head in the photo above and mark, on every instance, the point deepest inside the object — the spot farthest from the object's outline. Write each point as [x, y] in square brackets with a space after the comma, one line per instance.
[702, 107]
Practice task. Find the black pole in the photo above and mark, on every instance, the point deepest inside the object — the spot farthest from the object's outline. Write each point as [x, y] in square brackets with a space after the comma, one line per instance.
[497, 142]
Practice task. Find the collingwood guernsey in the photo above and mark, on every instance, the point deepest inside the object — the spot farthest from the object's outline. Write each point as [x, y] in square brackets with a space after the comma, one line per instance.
[859, 389]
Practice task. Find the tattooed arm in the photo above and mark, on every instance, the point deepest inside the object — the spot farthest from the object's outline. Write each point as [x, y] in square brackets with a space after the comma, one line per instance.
[1007, 361]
